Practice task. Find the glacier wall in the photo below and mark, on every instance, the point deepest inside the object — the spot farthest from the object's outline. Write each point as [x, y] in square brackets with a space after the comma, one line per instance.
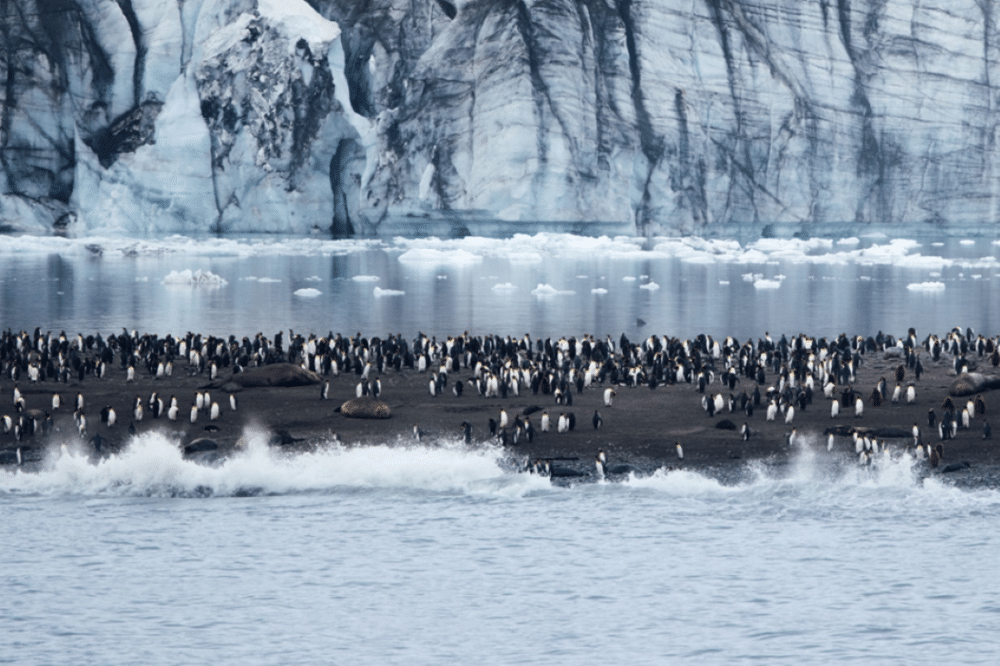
[693, 116]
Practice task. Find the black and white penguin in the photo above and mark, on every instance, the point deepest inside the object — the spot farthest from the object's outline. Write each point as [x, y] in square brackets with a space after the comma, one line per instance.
[457, 388]
[544, 425]
[194, 412]
[834, 409]
[376, 388]
[56, 402]
[213, 413]
[417, 432]
[987, 430]
[598, 421]
[745, 432]
[324, 391]
[679, 450]
[466, 431]
[829, 442]
[233, 402]
[601, 463]
[609, 394]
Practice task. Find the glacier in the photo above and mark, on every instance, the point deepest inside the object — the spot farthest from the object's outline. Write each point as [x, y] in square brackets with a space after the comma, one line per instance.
[146, 117]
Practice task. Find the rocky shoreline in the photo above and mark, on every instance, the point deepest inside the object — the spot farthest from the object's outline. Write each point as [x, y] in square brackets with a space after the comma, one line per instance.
[654, 408]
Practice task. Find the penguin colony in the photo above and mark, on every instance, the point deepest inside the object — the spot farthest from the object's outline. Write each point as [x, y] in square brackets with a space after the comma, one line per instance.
[764, 388]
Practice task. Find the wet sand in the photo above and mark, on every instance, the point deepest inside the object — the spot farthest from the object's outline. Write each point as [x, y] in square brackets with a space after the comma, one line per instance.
[640, 429]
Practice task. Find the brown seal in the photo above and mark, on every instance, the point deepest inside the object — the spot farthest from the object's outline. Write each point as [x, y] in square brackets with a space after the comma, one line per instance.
[365, 407]
[277, 374]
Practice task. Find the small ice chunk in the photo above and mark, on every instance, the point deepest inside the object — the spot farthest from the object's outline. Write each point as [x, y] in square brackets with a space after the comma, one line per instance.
[967, 241]
[387, 292]
[926, 286]
[194, 278]
[628, 278]
[651, 286]
[599, 290]
[366, 278]
[505, 287]
[268, 280]
[548, 290]
[314, 278]
[307, 292]
[766, 284]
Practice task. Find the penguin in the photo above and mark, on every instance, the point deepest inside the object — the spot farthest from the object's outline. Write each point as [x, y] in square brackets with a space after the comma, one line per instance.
[597, 420]
[834, 409]
[376, 388]
[931, 418]
[562, 424]
[859, 407]
[790, 438]
[457, 388]
[966, 419]
[679, 449]
[493, 427]
[544, 425]
[79, 401]
[980, 406]
[987, 430]
[772, 411]
[194, 412]
[789, 414]
[911, 394]
[417, 432]
[916, 434]
[466, 431]
[232, 401]
[601, 463]
[934, 458]
[897, 393]
[214, 412]
[173, 412]
[503, 418]
[920, 452]
[324, 391]
[137, 410]
[56, 402]
[130, 374]
[111, 416]
[876, 397]
[432, 386]
[745, 432]
[609, 394]
[829, 442]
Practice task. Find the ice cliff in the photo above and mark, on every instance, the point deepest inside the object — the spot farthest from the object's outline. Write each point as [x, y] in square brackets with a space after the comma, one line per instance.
[149, 116]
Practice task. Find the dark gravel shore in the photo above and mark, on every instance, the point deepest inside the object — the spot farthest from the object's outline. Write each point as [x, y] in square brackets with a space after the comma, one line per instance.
[640, 429]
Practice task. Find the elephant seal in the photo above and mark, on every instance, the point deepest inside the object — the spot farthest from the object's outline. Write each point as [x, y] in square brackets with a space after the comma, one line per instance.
[365, 407]
[970, 383]
[278, 374]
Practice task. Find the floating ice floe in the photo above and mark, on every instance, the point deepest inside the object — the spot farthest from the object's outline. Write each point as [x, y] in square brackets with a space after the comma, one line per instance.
[766, 284]
[268, 280]
[599, 290]
[651, 286]
[505, 287]
[628, 278]
[549, 290]
[366, 278]
[926, 286]
[307, 292]
[194, 278]
[387, 292]
[314, 278]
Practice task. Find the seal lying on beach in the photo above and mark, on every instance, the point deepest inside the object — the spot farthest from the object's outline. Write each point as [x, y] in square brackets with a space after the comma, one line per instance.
[970, 383]
[365, 407]
[278, 374]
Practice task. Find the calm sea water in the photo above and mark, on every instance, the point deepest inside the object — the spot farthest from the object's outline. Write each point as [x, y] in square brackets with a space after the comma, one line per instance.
[400, 555]
[438, 555]
[545, 285]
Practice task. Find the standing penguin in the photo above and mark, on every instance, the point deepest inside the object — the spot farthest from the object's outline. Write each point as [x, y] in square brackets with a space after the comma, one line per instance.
[679, 449]
[987, 430]
[597, 420]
